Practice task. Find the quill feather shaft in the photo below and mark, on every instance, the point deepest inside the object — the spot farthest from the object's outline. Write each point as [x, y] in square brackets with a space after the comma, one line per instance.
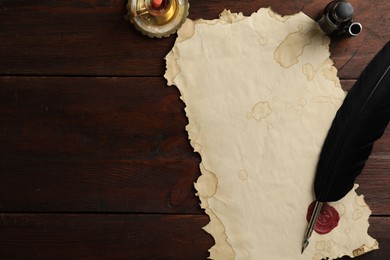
[360, 121]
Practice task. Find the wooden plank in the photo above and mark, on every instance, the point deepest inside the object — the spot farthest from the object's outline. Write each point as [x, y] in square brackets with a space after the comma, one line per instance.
[92, 38]
[347, 84]
[110, 118]
[150, 186]
[119, 236]
[374, 183]
[123, 236]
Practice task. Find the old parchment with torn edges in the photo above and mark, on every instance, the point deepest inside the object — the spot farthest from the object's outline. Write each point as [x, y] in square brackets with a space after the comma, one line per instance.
[260, 95]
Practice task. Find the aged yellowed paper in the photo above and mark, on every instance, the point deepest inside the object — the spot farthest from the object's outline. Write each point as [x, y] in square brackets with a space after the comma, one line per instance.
[260, 95]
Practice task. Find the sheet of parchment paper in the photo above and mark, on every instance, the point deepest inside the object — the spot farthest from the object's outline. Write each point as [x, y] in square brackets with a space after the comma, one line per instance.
[260, 95]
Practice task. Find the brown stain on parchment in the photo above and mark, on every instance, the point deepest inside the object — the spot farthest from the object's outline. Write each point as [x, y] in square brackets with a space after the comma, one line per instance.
[329, 245]
[308, 70]
[318, 256]
[359, 200]
[243, 175]
[320, 245]
[302, 102]
[365, 249]
[328, 99]
[357, 214]
[291, 48]
[359, 251]
[206, 186]
[330, 72]
[262, 40]
[325, 40]
[187, 31]
[347, 231]
[223, 248]
[340, 208]
[260, 110]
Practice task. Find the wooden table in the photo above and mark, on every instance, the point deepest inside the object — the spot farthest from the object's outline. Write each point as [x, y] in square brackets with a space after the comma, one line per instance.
[94, 159]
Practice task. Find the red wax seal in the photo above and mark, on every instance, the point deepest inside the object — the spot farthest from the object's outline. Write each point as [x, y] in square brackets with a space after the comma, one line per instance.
[327, 220]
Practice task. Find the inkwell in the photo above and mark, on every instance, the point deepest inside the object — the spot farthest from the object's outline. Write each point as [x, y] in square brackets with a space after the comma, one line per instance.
[338, 19]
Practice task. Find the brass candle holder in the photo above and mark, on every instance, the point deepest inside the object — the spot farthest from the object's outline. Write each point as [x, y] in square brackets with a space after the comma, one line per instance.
[157, 18]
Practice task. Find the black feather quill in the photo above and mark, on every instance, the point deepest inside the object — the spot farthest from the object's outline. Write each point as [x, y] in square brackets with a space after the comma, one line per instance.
[360, 121]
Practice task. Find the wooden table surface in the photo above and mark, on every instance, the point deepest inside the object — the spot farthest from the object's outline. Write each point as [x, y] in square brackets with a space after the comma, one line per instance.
[94, 159]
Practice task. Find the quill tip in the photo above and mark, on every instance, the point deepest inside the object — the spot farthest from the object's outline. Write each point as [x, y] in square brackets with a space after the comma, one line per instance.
[304, 245]
[312, 222]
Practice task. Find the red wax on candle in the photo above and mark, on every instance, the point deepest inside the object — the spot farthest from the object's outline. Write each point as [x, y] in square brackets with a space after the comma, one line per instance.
[156, 4]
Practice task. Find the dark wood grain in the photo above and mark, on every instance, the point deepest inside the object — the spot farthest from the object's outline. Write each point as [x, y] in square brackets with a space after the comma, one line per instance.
[95, 150]
[99, 186]
[120, 236]
[92, 38]
[120, 118]
[106, 236]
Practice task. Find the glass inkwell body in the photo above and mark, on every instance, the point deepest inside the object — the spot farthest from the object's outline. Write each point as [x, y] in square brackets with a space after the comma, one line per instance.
[338, 19]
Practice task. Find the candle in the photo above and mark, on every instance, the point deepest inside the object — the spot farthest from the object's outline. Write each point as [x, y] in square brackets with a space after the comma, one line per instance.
[157, 4]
